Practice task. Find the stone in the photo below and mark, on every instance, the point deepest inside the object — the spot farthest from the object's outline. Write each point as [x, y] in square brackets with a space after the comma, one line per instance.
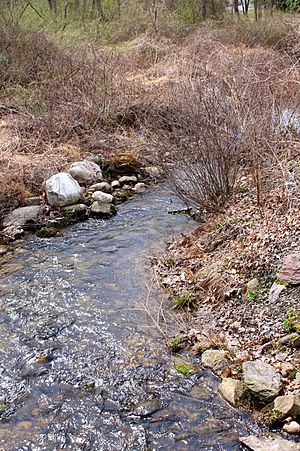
[270, 442]
[30, 201]
[288, 370]
[75, 211]
[252, 285]
[233, 391]
[127, 179]
[98, 159]
[262, 380]
[140, 187]
[215, 359]
[85, 172]
[62, 190]
[102, 209]
[102, 197]
[287, 406]
[115, 184]
[47, 232]
[275, 291]
[152, 172]
[292, 340]
[292, 428]
[102, 186]
[20, 216]
[11, 233]
[290, 270]
[3, 249]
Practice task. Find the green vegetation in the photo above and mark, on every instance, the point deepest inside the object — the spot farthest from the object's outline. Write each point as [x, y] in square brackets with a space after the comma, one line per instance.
[184, 301]
[291, 321]
[174, 344]
[185, 368]
[251, 295]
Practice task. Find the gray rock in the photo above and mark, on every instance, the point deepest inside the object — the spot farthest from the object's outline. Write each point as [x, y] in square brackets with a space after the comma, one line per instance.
[62, 190]
[140, 187]
[290, 270]
[102, 186]
[262, 380]
[127, 179]
[233, 391]
[270, 442]
[102, 209]
[3, 249]
[215, 359]
[95, 159]
[11, 233]
[20, 216]
[102, 197]
[115, 184]
[75, 210]
[287, 406]
[85, 172]
[275, 291]
[292, 340]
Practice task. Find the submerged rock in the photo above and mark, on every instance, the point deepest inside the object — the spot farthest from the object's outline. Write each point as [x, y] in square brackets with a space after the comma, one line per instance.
[269, 443]
[85, 172]
[217, 360]
[262, 380]
[47, 232]
[62, 190]
[233, 391]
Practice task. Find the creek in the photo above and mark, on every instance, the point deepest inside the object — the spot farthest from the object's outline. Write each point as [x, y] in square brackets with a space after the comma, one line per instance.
[81, 367]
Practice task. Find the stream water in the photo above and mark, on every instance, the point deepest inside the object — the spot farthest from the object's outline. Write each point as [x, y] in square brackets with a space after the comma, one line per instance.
[79, 368]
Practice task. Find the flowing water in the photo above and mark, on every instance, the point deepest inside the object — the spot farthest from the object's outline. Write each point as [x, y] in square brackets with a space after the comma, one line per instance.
[79, 369]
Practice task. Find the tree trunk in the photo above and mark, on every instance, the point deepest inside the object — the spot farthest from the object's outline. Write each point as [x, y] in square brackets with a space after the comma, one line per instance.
[236, 6]
[203, 8]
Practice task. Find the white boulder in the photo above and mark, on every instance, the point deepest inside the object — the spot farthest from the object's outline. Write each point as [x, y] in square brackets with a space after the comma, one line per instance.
[85, 172]
[62, 190]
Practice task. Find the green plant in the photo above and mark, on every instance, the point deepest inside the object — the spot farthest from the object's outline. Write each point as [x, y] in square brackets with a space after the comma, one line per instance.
[251, 295]
[183, 301]
[291, 321]
[185, 368]
[174, 344]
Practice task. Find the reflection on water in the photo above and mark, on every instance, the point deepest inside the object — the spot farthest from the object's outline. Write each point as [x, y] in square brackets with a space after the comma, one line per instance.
[77, 369]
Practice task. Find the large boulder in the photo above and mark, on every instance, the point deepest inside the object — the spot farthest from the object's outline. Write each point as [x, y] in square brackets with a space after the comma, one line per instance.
[217, 360]
[62, 190]
[262, 380]
[290, 270]
[85, 172]
[20, 216]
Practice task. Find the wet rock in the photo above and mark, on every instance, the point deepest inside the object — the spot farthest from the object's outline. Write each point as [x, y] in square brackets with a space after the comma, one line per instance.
[102, 186]
[145, 408]
[275, 291]
[103, 209]
[233, 391]
[269, 443]
[121, 164]
[20, 216]
[99, 196]
[122, 195]
[290, 270]
[128, 179]
[140, 187]
[262, 380]
[75, 211]
[62, 190]
[115, 184]
[292, 428]
[217, 360]
[152, 172]
[30, 201]
[85, 172]
[11, 233]
[47, 232]
[288, 405]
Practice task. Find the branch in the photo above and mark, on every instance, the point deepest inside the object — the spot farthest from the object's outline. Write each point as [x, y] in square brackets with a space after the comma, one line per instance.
[34, 9]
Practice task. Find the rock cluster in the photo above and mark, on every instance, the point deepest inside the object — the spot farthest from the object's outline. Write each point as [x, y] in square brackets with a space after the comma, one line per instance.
[88, 187]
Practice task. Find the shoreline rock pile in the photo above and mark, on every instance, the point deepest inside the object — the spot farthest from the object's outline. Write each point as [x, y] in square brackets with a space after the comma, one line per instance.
[91, 187]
